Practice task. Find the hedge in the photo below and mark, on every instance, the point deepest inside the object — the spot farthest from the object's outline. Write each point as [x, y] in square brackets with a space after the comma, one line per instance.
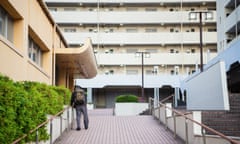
[24, 105]
[127, 98]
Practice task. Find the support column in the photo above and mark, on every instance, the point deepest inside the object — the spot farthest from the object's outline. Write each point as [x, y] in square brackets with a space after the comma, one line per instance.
[89, 95]
[156, 97]
[176, 96]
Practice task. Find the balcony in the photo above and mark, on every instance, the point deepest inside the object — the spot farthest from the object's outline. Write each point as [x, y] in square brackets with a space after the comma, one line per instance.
[126, 1]
[232, 20]
[156, 59]
[163, 38]
[124, 17]
[150, 81]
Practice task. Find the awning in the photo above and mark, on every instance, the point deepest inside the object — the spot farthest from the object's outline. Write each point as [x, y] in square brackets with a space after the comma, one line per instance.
[79, 62]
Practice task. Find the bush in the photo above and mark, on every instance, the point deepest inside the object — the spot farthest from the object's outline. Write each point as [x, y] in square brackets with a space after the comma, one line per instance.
[126, 98]
[25, 105]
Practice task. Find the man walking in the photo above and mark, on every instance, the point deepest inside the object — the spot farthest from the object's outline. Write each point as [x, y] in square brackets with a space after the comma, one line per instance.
[79, 102]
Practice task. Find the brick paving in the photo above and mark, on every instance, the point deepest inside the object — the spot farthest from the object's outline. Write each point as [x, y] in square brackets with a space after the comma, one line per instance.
[104, 128]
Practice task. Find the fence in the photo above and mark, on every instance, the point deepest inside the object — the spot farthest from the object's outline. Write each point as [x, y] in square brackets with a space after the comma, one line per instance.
[185, 126]
[56, 125]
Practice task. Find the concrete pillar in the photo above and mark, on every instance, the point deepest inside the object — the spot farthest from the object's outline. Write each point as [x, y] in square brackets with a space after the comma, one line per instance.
[156, 97]
[176, 96]
[89, 95]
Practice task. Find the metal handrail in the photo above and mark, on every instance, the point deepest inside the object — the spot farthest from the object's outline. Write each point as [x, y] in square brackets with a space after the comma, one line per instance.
[165, 99]
[196, 122]
[40, 125]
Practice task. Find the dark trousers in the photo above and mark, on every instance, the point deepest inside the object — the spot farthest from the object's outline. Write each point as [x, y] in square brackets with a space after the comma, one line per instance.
[82, 109]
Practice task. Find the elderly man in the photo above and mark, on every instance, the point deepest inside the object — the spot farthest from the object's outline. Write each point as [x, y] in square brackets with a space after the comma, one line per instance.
[79, 102]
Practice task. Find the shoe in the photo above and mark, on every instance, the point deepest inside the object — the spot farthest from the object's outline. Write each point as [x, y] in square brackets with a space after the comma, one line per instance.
[78, 129]
[86, 128]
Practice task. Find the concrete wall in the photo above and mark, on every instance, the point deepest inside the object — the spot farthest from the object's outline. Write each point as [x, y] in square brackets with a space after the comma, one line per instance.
[126, 109]
[185, 129]
[59, 124]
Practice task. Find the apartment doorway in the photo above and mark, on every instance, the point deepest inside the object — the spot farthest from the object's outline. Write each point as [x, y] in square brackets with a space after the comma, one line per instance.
[99, 98]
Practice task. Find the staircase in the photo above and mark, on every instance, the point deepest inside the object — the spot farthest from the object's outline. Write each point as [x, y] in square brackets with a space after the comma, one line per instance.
[226, 122]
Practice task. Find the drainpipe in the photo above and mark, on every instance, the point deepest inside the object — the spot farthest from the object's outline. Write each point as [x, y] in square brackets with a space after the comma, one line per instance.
[54, 56]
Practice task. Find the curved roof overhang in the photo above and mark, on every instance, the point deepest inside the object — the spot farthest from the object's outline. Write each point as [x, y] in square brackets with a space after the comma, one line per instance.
[79, 62]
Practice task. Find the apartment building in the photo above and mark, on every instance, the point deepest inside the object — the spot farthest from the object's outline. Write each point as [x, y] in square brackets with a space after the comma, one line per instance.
[228, 40]
[33, 48]
[149, 44]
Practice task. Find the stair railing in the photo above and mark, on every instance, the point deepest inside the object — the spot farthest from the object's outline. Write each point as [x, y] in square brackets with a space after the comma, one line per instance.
[176, 113]
[51, 126]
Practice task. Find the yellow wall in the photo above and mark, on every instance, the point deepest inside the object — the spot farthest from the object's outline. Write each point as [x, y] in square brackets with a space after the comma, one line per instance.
[29, 20]
[12, 62]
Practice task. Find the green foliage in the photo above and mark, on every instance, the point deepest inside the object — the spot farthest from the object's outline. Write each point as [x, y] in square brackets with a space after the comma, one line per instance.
[25, 105]
[127, 98]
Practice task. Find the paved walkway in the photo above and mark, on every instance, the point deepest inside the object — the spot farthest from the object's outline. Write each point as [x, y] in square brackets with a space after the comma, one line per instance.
[107, 129]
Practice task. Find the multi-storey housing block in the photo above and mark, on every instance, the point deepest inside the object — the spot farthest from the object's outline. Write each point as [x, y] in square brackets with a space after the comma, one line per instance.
[228, 20]
[161, 30]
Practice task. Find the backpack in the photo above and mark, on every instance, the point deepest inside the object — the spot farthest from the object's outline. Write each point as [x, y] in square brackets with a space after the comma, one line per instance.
[80, 98]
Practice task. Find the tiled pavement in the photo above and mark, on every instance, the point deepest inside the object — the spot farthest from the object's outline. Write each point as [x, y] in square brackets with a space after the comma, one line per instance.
[107, 129]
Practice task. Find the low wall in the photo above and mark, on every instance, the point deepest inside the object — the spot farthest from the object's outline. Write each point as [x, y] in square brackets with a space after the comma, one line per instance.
[128, 109]
[186, 129]
[59, 125]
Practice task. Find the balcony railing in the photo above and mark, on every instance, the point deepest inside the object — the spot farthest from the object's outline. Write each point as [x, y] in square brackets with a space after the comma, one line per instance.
[125, 1]
[163, 38]
[155, 59]
[124, 17]
[150, 81]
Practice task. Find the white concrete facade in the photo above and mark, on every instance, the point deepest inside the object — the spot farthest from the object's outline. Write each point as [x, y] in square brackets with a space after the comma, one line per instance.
[120, 28]
[228, 23]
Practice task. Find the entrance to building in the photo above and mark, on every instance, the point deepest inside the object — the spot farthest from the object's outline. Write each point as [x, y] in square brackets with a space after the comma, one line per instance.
[100, 100]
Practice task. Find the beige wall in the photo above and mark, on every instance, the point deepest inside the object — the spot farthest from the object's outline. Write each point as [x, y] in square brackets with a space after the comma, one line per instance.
[29, 20]
[12, 62]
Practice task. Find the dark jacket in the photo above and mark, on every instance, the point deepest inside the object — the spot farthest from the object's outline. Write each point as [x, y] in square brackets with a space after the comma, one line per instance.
[73, 97]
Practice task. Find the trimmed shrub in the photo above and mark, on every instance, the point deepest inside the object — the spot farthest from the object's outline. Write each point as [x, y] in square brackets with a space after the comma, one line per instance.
[126, 98]
[25, 105]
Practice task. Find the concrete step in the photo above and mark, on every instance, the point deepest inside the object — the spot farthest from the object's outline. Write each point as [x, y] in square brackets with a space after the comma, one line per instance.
[226, 122]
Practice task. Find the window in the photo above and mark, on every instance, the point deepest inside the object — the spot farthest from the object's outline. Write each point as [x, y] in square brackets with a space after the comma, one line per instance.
[111, 72]
[131, 30]
[149, 72]
[132, 9]
[69, 9]
[108, 30]
[212, 30]
[176, 70]
[131, 50]
[70, 30]
[151, 9]
[6, 25]
[132, 72]
[34, 52]
[193, 50]
[52, 9]
[152, 50]
[111, 51]
[150, 30]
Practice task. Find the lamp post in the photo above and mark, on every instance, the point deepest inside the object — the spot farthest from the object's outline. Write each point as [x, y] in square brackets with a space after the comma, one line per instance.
[193, 16]
[143, 55]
